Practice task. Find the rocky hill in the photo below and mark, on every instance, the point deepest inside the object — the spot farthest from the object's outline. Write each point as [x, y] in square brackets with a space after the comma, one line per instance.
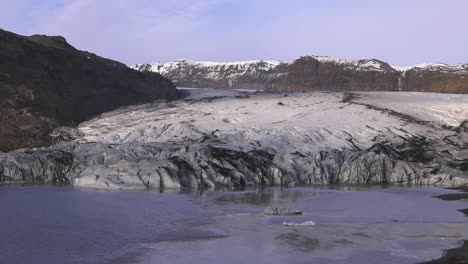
[315, 73]
[45, 82]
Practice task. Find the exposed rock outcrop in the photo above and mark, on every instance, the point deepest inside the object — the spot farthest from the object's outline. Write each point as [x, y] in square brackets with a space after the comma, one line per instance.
[439, 78]
[315, 73]
[45, 82]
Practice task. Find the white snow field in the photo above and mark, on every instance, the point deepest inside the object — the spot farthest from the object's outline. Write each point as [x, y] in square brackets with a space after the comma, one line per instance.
[283, 121]
[444, 109]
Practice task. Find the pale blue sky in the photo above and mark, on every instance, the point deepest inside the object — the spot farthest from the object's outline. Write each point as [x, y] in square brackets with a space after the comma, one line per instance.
[400, 32]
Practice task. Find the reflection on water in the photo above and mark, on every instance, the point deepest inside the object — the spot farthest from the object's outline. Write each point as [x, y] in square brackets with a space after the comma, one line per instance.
[279, 196]
[300, 242]
[264, 197]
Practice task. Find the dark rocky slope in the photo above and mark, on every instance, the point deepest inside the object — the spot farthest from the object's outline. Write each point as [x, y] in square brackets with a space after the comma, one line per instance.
[45, 82]
[315, 73]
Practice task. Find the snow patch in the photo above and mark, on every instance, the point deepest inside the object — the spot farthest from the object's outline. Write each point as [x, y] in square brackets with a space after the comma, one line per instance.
[443, 67]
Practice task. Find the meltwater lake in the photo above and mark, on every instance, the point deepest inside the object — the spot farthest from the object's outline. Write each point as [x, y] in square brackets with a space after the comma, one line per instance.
[49, 224]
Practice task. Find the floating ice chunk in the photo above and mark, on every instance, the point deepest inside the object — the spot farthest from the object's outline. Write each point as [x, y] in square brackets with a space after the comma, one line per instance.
[282, 211]
[306, 223]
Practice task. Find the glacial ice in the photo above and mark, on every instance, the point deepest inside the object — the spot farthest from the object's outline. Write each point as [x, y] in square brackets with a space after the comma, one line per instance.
[313, 138]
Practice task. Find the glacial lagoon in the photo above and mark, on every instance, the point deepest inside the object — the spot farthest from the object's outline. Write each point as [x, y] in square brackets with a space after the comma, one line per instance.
[60, 224]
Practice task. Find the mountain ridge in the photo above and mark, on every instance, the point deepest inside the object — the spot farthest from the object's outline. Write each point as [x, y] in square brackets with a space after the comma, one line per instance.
[315, 73]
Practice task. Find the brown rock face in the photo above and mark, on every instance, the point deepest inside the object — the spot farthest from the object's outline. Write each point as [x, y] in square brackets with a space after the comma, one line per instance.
[315, 73]
[308, 73]
[45, 82]
[436, 80]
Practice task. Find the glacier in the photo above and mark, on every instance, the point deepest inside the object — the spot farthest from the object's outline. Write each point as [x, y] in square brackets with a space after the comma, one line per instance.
[236, 139]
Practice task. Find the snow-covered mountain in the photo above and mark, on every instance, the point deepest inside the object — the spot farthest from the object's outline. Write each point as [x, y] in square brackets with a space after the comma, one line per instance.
[321, 73]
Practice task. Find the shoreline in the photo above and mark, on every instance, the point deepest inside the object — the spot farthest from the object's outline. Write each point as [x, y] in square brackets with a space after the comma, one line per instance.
[457, 255]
